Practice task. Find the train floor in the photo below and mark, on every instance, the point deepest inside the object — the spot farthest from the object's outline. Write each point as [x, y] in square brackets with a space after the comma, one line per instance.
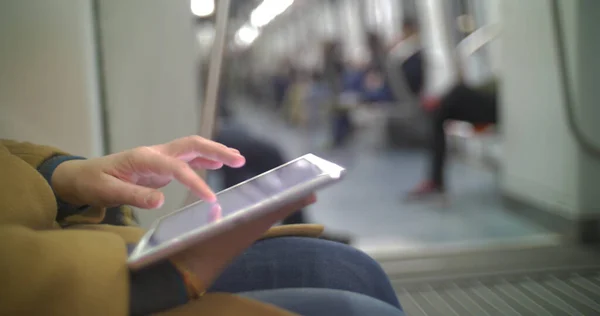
[548, 294]
[369, 203]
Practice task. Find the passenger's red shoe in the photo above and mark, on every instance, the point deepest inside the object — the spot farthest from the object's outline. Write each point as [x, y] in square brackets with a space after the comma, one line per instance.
[425, 190]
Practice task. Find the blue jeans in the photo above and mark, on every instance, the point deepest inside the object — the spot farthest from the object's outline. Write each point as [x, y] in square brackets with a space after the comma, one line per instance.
[324, 302]
[307, 263]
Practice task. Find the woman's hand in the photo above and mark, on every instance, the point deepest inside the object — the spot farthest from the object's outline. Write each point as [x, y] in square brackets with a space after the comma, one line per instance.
[132, 177]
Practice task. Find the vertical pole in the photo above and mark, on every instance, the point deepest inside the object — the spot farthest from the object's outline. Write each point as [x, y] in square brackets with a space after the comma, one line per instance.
[208, 109]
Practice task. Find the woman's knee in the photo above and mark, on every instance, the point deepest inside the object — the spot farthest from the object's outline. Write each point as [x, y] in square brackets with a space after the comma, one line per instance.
[292, 262]
[316, 302]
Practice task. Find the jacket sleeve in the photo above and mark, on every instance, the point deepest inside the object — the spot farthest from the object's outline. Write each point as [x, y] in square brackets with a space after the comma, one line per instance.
[62, 272]
[36, 156]
[44, 271]
[33, 154]
[80, 272]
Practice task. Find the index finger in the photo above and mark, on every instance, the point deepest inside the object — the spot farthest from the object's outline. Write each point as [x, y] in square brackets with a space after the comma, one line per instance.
[153, 162]
[191, 147]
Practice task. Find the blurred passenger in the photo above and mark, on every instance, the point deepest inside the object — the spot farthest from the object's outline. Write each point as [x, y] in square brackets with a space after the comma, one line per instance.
[353, 77]
[333, 65]
[261, 156]
[405, 65]
[296, 98]
[341, 125]
[281, 82]
[378, 50]
[317, 106]
[375, 89]
[476, 105]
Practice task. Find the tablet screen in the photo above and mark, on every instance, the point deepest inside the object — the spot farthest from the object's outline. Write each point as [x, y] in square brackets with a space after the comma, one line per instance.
[235, 199]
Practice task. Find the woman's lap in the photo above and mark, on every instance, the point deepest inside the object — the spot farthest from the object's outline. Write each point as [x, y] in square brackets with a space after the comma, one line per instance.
[318, 302]
[297, 262]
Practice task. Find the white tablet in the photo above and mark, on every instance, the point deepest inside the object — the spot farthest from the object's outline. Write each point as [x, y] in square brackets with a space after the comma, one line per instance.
[248, 200]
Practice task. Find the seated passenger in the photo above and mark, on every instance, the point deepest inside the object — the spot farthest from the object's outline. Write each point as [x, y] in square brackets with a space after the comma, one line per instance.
[353, 77]
[52, 268]
[476, 105]
[375, 89]
[261, 156]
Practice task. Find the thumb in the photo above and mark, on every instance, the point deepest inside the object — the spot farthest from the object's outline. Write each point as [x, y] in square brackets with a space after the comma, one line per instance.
[119, 192]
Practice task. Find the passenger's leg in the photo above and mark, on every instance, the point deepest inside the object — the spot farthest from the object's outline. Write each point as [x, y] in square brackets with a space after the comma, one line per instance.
[342, 128]
[458, 104]
[324, 302]
[466, 105]
[438, 148]
[336, 127]
[462, 104]
[297, 262]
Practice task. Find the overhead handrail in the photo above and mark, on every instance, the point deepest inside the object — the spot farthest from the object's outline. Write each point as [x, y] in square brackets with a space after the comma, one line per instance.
[478, 39]
[472, 43]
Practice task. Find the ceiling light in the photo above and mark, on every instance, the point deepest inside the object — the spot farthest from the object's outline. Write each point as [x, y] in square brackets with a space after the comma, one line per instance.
[268, 10]
[246, 35]
[202, 8]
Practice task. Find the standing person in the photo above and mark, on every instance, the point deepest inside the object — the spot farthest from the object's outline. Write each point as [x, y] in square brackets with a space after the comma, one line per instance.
[406, 62]
[316, 105]
[377, 49]
[405, 72]
[341, 125]
[281, 82]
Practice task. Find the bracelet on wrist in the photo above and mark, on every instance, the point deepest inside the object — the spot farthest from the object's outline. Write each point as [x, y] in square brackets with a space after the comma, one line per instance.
[192, 284]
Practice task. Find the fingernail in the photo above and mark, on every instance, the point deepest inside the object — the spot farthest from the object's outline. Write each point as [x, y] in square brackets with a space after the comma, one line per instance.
[211, 198]
[241, 161]
[234, 150]
[153, 199]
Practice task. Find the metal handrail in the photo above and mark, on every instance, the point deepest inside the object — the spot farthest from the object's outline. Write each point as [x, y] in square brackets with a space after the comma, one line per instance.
[478, 39]
[208, 109]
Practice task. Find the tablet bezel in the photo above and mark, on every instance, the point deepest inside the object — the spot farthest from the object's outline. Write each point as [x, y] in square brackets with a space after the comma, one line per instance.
[143, 255]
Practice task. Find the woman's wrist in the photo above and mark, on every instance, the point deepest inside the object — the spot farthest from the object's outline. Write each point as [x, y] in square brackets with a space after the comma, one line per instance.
[156, 288]
[64, 180]
[193, 286]
[53, 171]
